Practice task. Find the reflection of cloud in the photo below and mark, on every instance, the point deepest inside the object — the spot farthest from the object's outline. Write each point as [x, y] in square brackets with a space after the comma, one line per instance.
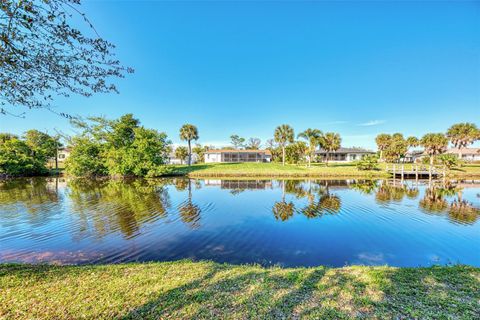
[372, 123]
[52, 257]
[370, 258]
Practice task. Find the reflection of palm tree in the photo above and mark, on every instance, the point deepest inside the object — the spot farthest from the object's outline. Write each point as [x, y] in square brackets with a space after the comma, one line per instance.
[330, 202]
[190, 212]
[283, 210]
[463, 211]
[388, 193]
[433, 201]
[366, 186]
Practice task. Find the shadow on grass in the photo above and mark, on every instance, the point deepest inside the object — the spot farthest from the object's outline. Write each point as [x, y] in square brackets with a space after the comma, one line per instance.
[241, 292]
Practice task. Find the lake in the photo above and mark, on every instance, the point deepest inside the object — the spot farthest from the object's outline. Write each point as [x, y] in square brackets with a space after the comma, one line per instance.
[269, 222]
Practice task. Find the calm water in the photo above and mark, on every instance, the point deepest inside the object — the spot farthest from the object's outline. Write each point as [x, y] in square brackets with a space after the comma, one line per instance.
[288, 223]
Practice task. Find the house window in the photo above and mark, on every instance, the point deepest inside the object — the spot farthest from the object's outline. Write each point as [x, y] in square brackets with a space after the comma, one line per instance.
[61, 156]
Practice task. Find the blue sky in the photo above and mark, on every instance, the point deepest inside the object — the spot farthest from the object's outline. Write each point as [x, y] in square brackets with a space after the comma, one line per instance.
[357, 68]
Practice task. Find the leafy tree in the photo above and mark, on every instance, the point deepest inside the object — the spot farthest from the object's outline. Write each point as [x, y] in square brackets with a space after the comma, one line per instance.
[330, 142]
[86, 158]
[434, 143]
[181, 153]
[189, 132]
[463, 134]
[16, 159]
[41, 52]
[383, 140]
[200, 150]
[413, 142]
[283, 135]
[237, 141]
[43, 146]
[7, 136]
[368, 162]
[313, 137]
[295, 152]
[254, 143]
[448, 160]
[397, 148]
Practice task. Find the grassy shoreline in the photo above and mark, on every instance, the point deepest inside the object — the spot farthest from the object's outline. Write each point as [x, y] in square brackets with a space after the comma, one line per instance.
[276, 170]
[205, 290]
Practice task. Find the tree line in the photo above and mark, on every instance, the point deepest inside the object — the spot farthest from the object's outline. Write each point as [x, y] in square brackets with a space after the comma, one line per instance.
[394, 147]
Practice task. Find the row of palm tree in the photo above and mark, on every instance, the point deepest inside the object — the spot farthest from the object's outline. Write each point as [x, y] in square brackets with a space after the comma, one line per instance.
[461, 135]
[329, 141]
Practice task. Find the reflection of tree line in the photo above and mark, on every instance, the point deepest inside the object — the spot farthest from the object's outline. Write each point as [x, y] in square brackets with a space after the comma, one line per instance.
[320, 200]
[101, 206]
[433, 202]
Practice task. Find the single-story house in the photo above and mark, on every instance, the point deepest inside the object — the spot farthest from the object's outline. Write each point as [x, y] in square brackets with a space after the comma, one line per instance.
[63, 154]
[172, 159]
[229, 155]
[414, 156]
[467, 154]
[343, 154]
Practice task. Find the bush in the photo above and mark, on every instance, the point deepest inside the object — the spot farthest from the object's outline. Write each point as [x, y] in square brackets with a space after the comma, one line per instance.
[448, 160]
[18, 159]
[368, 162]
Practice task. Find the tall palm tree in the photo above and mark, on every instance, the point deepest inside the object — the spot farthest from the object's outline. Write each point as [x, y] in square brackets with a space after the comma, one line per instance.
[413, 141]
[434, 143]
[383, 141]
[330, 142]
[189, 132]
[283, 135]
[463, 134]
[313, 138]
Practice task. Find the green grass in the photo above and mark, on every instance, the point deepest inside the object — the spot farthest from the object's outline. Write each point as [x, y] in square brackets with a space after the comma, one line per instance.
[317, 170]
[207, 290]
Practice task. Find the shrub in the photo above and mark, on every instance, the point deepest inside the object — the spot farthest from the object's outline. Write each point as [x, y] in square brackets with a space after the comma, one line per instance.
[368, 162]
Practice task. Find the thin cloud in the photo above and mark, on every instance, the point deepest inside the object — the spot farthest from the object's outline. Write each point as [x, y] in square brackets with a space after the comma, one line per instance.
[372, 123]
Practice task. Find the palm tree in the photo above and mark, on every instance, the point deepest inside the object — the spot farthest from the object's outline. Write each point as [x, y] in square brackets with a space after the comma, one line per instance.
[189, 132]
[330, 142]
[413, 142]
[434, 143]
[283, 135]
[463, 134]
[313, 138]
[383, 141]
[181, 153]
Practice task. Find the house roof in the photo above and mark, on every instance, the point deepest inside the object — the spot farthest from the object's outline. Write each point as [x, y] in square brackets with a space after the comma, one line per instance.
[347, 150]
[464, 151]
[267, 152]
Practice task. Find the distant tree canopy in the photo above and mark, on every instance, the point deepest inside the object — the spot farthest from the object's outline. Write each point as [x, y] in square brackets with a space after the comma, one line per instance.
[253, 143]
[43, 53]
[237, 141]
[25, 156]
[120, 147]
[181, 153]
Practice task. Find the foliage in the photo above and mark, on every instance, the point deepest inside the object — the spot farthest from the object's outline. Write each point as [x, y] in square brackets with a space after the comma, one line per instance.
[237, 141]
[253, 143]
[181, 153]
[330, 142]
[118, 147]
[295, 152]
[200, 150]
[412, 141]
[448, 160]
[283, 135]
[18, 159]
[434, 143]
[313, 136]
[463, 134]
[189, 132]
[41, 52]
[383, 141]
[396, 149]
[368, 162]
[42, 145]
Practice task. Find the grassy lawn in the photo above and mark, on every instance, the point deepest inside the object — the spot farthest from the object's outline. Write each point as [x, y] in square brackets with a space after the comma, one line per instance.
[317, 170]
[274, 170]
[206, 290]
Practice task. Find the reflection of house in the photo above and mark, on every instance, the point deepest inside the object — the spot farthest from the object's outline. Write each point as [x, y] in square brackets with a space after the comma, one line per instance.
[212, 156]
[343, 154]
[240, 184]
[468, 154]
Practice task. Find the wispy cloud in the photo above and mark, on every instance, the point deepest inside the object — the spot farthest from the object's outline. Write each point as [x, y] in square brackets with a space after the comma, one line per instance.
[371, 123]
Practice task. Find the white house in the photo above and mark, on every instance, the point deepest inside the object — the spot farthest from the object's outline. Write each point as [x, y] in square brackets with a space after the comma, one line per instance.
[343, 154]
[213, 156]
[172, 159]
[467, 154]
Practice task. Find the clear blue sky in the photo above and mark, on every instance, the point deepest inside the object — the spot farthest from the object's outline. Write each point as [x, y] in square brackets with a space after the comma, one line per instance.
[246, 67]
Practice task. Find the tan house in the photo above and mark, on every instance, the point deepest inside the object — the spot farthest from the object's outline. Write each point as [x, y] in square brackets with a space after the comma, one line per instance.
[232, 155]
[467, 154]
[343, 154]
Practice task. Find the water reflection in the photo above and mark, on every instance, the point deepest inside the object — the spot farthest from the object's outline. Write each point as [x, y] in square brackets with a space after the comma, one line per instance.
[106, 206]
[263, 221]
